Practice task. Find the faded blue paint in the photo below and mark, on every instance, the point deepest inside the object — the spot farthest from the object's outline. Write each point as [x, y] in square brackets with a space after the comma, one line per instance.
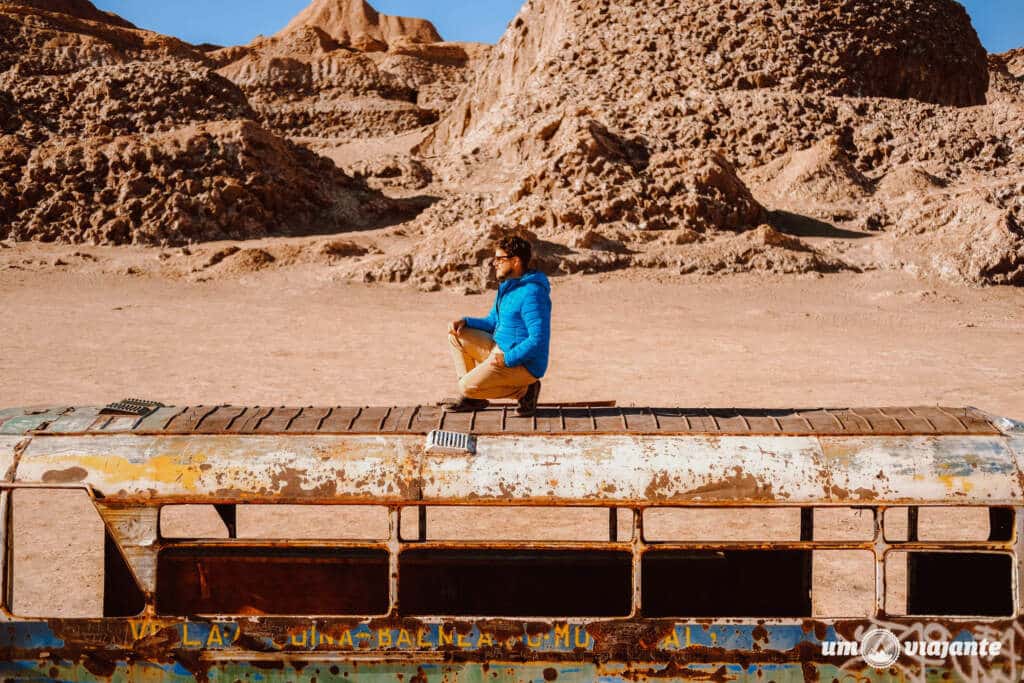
[29, 635]
[502, 672]
[21, 422]
[741, 637]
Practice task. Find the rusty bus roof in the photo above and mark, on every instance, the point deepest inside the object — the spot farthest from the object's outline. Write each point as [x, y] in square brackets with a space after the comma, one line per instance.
[501, 419]
[567, 455]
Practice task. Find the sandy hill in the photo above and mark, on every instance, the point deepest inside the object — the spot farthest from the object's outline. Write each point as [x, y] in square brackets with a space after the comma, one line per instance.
[115, 135]
[354, 23]
[82, 9]
[341, 71]
[691, 137]
[594, 122]
[1015, 61]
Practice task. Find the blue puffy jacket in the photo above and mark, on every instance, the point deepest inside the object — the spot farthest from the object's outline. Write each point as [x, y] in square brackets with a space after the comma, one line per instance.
[520, 322]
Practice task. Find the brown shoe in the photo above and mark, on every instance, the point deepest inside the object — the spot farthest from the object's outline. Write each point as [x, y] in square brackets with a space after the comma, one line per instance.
[467, 405]
[528, 403]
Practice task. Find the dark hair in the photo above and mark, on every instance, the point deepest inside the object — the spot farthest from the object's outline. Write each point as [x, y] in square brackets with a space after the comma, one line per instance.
[514, 245]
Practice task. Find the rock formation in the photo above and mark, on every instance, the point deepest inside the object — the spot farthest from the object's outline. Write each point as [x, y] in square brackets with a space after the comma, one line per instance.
[342, 71]
[82, 9]
[706, 136]
[354, 23]
[124, 136]
[829, 97]
[212, 181]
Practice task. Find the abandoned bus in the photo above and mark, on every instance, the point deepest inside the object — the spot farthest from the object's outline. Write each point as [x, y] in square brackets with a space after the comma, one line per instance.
[586, 543]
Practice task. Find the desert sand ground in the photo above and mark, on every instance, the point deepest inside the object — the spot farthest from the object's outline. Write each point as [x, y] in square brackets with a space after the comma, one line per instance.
[295, 336]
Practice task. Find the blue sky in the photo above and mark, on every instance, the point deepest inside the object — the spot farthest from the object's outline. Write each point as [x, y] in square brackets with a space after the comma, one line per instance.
[1000, 23]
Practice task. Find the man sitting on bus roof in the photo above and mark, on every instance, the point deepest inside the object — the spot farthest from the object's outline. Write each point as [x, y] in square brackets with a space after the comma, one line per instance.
[505, 354]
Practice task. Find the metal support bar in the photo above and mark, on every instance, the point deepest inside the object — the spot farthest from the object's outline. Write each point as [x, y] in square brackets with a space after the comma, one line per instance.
[229, 515]
[638, 547]
[807, 524]
[394, 547]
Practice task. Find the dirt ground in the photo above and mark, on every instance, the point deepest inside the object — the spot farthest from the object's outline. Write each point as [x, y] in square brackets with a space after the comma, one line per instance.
[297, 336]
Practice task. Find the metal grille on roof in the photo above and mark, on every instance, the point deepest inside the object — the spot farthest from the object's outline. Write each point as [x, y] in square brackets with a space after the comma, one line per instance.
[131, 406]
[440, 441]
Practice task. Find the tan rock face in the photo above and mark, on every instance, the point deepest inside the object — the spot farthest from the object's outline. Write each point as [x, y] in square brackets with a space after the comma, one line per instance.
[355, 23]
[1015, 62]
[82, 9]
[815, 103]
[634, 54]
[229, 180]
[694, 136]
[128, 137]
[342, 71]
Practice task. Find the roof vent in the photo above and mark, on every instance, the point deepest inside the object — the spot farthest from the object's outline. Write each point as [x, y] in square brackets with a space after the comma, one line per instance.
[131, 406]
[454, 443]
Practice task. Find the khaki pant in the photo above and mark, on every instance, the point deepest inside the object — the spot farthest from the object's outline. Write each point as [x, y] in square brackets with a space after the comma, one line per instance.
[477, 377]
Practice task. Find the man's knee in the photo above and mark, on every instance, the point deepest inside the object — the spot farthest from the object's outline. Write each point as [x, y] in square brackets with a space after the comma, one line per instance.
[469, 389]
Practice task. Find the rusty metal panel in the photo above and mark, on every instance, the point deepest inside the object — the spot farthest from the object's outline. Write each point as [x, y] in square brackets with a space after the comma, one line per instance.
[371, 419]
[514, 424]
[669, 420]
[208, 468]
[221, 419]
[9, 447]
[609, 419]
[189, 419]
[399, 419]
[24, 420]
[730, 421]
[626, 468]
[74, 420]
[640, 420]
[427, 418]
[952, 469]
[8, 413]
[116, 423]
[607, 467]
[976, 421]
[761, 422]
[701, 420]
[278, 421]
[548, 421]
[491, 421]
[135, 531]
[153, 422]
[470, 651]
[818, 421]
[310, 420]
[457, 422]
[500, 418]
[340, 420]
[249, 421]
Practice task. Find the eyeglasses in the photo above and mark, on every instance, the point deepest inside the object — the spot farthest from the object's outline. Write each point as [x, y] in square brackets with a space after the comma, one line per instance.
[502, 258]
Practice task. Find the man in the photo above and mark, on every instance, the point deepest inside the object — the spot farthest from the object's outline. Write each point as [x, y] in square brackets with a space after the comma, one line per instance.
[505, 354]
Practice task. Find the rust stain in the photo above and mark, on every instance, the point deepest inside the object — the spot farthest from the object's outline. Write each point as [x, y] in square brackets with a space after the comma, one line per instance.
[19, 450]
[68, 476]
[162, 469]
[740, 485]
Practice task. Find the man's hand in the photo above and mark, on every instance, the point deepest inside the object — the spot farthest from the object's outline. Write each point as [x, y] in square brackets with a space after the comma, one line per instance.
[497, 358]
[456, 326]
